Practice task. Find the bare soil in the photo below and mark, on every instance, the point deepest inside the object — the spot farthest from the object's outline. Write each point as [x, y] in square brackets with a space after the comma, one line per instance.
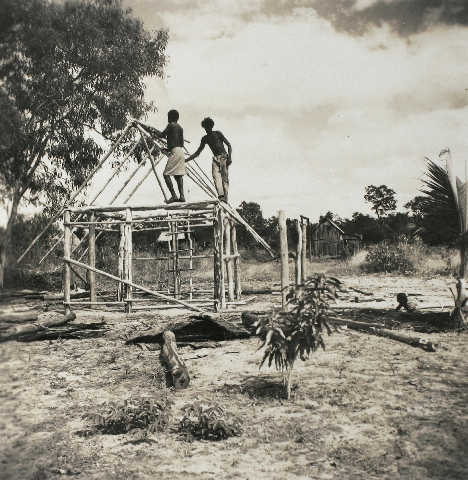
[368, 407]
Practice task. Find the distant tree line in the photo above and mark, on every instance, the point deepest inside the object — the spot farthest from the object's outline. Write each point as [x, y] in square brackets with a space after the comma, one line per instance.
[418, 221]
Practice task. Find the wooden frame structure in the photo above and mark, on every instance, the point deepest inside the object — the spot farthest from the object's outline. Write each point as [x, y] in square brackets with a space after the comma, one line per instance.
[175, 218]
[172, 219]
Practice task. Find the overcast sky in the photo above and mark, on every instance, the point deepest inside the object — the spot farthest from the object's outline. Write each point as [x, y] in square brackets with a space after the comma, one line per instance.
[319, 99]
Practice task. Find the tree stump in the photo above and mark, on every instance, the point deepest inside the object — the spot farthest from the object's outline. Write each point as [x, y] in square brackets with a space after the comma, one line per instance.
[176, 372]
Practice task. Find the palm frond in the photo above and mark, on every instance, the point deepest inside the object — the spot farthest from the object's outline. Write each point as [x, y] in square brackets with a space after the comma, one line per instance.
[440, 198]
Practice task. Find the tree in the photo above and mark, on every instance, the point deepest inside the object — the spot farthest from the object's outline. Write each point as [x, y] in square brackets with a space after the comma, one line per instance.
[253, 215]
[71, 72]
[382, 199]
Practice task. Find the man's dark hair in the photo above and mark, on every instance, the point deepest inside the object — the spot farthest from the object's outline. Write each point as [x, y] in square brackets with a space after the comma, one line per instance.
[207, 123]
[173, 115]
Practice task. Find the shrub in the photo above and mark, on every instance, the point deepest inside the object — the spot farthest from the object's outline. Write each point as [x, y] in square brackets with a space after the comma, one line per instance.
[385, 258]
[138, 417]
[300, 331]
[212, 423]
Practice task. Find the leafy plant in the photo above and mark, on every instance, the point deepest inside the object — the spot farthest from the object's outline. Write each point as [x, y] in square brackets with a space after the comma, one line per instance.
[299, 331]
[212, 423]
[137, 417]
[386, 258]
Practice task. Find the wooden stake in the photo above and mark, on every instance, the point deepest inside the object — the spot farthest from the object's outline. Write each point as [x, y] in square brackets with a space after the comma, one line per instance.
[66, 266]
[284, 259]
[304, 250]
[298, 252]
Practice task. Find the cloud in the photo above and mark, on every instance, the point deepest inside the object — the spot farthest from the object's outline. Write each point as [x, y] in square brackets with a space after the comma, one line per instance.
[405, 17]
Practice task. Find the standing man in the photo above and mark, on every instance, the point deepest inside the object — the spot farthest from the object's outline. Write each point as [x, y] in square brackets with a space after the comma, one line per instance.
[221, 159]
[175, 166]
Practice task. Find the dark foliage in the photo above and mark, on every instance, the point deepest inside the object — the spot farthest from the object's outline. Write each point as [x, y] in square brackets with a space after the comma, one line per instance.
[212, 423]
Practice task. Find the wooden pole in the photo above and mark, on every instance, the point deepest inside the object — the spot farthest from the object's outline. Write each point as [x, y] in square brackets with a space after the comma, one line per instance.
[298, 252]
[128, 259]
[235, 251]
[190, 244]
[134, 285]
[175, 259]
[153, 164]
[218, 257]
[284, 259]
[304, 250]
[77, 192]
[66, 266]
[121, 262]
[92, 256]
[228, 259]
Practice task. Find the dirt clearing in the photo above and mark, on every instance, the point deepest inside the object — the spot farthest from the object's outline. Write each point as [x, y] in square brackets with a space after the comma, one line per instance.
[368, 407]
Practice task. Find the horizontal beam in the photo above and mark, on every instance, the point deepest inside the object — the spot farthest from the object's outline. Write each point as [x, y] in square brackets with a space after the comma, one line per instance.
[119, 208]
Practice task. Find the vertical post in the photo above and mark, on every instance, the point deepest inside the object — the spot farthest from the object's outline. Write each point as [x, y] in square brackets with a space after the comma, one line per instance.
[121, 264]
[190, 245]
[235, 251]
[228, 258]
[298, 252]
[128, 259]
[66, 266]
[309, 231]
[218, 257]
[304, 250]
[92, 257]
[284, 259]
[175, 245]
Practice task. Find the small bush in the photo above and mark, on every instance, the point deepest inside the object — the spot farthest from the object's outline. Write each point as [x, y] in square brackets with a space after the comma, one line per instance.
[212, 423]
[385, 258]
[138, 417]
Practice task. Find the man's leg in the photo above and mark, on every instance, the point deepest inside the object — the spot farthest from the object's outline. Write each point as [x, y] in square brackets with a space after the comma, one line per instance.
[168, 181]
[218, 181]
[224, 176]
[180, 185]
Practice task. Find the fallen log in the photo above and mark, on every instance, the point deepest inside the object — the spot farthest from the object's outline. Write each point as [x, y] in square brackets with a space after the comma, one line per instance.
[18, 317]
[43, 322]
[176, 372]
[376, 328]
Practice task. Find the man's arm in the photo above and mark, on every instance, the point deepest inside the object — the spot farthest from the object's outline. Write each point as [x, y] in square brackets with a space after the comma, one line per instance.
[151, 130]
[224, 139]
[200, 148]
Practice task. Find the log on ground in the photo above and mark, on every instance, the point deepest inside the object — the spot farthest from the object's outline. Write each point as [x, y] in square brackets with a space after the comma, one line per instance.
[43, 322]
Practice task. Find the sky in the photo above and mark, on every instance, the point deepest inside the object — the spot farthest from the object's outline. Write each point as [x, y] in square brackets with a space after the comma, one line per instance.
[318, 99]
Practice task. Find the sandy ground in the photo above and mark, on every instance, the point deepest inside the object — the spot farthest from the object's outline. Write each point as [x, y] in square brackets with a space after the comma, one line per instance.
[368, 407]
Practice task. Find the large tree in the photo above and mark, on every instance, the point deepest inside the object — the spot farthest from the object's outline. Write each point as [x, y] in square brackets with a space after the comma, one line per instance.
[71, 72]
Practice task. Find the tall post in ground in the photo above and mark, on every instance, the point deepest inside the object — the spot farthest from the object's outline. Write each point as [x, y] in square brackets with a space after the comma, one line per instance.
[298, 252]
[228, 258]
[66, 266]
[235, 251]
[121, 264]
[218, 257]
[128, 259]
[304, 249]
[92, 257]
[284, 259]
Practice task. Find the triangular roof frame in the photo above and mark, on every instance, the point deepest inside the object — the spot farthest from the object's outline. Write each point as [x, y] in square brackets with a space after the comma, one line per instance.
[151, 145]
